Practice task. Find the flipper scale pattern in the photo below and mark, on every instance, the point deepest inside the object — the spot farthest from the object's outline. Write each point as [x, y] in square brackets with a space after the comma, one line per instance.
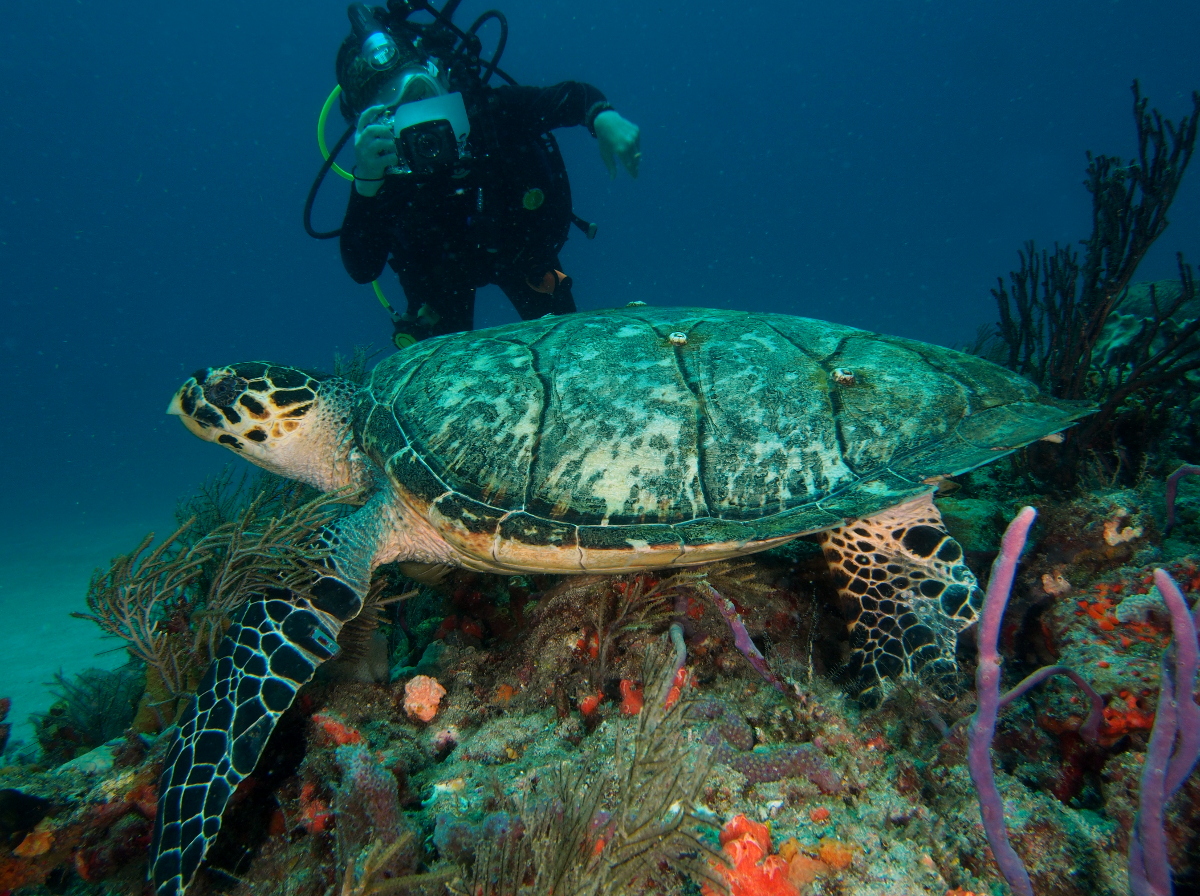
[272, 648]
[911, 593]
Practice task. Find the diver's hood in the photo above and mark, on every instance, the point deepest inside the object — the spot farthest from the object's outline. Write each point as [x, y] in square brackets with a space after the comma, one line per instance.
[448, 107]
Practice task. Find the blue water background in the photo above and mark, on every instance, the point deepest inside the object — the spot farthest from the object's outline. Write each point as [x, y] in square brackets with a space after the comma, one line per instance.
[872, 163]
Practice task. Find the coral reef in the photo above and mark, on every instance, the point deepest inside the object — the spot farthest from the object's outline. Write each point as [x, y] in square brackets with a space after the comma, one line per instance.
[170, 604]
[92, 708]
[616, 735]
[1077, 329]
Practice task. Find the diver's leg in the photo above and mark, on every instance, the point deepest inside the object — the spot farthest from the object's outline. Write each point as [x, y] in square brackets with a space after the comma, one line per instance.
[272, 648]
[440, 300]
[912, 594]
[544, 290]
[454, 308]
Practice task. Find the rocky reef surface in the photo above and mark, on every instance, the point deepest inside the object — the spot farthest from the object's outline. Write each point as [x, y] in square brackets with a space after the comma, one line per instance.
[539, 734]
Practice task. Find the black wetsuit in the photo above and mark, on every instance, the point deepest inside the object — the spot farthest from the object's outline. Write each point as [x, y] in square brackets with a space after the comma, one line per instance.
[459, 229]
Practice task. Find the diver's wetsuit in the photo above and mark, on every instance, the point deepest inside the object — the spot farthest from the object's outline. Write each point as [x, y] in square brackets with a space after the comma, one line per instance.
[456, 230]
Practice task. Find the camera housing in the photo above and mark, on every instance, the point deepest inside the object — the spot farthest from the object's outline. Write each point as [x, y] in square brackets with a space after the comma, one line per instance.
[431, 134]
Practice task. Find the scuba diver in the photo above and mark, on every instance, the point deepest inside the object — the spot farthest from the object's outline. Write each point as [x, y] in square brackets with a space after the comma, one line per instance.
[458, 184]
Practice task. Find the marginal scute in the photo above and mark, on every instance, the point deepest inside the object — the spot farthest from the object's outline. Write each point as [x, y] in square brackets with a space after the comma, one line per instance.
[628, 547]
[410, 473]
[713, 531]
[626, 538]
[469, 525]
[537, 532]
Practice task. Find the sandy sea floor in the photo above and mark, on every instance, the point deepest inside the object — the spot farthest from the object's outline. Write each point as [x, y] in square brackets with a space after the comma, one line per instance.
[44, 573]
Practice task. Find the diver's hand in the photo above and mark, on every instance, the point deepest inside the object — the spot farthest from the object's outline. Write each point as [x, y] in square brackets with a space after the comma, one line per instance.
[618, 139]
[374, 151]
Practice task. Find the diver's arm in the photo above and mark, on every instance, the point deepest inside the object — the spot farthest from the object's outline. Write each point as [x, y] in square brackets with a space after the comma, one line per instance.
[541, 109]
[365, 236]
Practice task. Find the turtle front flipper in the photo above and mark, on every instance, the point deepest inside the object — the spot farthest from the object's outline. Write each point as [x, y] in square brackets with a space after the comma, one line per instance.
[905, 577]
[272, 648]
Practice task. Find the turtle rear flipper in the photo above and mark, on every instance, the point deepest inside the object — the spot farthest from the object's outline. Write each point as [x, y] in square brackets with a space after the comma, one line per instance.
[905, 577]
[272, 648]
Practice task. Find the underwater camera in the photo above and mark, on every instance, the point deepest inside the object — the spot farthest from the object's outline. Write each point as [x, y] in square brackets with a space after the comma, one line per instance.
[429, 146]
[430, 134]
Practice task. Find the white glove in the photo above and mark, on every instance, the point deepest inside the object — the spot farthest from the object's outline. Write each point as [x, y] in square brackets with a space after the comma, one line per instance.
[374, 151]
[618, 139]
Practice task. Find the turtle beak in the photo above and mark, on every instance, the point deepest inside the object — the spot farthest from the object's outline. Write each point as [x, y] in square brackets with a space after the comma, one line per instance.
[183, 402]
[179, 406]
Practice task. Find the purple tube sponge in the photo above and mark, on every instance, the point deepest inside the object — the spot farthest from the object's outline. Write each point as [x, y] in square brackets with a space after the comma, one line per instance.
[1173, 749]
[1171, 755]
[1173, 490]
[987, 685]
[1187, 659]
[741, 637]
[1090, 730]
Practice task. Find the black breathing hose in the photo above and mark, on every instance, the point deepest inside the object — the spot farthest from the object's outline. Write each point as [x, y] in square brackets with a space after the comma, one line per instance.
[490, 68]
[444, 18]
[312, 193]
[450, 8]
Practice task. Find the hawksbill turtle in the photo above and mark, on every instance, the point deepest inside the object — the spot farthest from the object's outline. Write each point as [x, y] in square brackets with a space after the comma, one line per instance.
[612, 441]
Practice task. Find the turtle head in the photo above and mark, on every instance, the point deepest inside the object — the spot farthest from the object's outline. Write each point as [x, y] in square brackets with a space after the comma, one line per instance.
[283, 419]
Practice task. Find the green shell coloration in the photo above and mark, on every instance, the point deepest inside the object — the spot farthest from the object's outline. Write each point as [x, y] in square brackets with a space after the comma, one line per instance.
[608, 433]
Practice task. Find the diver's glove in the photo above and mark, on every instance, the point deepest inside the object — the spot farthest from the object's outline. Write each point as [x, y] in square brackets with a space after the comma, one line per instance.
[374, 151]
[619, 139]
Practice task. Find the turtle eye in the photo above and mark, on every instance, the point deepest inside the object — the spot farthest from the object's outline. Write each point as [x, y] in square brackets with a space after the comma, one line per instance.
[224, 392]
